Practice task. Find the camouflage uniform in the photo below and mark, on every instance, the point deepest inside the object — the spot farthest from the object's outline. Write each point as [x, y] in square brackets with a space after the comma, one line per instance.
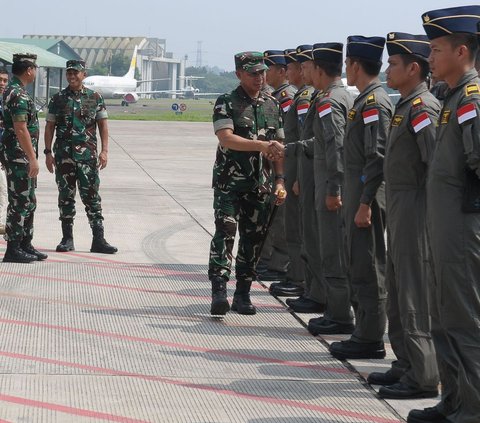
[241, 188]
[75, 115]
[3, 181]
[18, 106]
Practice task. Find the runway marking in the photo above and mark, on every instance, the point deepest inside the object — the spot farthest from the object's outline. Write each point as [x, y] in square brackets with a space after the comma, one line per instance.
[68, 410]
[151, 341]
[228, 392]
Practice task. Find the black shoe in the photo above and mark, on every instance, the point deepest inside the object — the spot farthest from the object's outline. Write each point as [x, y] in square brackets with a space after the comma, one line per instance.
[385, 379]
[350, 349]
[15, 254]
[66, 244]
[271, 275]
[287, 289]
[99, 244]
[30, 249]
[324, 326]
[306, 305]
[290, 301]
[429, 414]
[242, 305]
[220, 305]
[401, 390]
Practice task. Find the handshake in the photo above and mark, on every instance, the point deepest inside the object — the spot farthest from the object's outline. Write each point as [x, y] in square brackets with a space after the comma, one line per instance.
[273, 150]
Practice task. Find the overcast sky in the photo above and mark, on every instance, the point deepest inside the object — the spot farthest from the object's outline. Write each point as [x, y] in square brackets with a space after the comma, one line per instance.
[224, 27]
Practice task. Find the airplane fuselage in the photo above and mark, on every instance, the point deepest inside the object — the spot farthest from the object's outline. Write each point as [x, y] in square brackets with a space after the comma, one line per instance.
[111, 86]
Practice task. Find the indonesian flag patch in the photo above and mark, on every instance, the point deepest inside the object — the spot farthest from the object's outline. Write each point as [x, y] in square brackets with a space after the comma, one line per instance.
[370, 116]
[421, 121]
[302, 109]
[469, 111]
[324, 109]
[286, 105]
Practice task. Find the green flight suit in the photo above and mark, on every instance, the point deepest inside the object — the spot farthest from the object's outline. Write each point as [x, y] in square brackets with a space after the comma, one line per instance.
[410, 147]
[364, 148]
[455, 246]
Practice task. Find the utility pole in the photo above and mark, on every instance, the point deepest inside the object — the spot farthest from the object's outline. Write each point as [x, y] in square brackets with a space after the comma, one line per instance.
[199, 55]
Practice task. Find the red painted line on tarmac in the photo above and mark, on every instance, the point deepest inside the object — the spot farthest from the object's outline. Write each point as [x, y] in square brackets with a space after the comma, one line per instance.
[176, 345]
[4, 421]
[270, 400]
[68, 410]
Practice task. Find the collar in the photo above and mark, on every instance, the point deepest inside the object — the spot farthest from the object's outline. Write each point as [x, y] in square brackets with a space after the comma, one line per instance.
[464, 80]
[367, 91]
[335, 84]
[69, 91]
[243, 95]
[418, 90]
[15, 81]
[280, 88]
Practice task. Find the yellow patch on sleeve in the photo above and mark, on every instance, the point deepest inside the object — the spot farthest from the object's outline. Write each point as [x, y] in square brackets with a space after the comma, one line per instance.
[472, 89]
[371, 99]
[397, 120]
[417, 102]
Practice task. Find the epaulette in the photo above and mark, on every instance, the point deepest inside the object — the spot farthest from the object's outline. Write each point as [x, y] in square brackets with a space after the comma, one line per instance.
[417, 102]
[283, 93]
[305, 93]
[371, 100]
[472, 89]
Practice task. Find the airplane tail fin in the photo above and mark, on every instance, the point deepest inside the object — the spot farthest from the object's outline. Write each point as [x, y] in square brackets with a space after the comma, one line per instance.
[133, 65]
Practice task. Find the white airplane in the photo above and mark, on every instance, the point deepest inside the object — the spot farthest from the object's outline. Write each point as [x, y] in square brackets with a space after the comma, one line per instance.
[125, 86]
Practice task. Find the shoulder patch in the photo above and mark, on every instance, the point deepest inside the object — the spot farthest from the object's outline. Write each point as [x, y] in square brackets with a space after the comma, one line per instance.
[445, 117]
[305, 93]
[466, 112]
[371, 100]
[417, 102]
[324, 109]
[472, 89]
[351, 114]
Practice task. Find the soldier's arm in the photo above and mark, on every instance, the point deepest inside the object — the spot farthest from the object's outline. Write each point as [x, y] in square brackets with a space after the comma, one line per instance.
[422, 124]
[103, 130]
[468, 115]
[48, 135]
[376, 120]
[25, 141]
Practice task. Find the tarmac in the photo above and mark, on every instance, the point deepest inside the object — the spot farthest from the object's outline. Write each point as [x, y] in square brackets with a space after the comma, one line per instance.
[128, 337]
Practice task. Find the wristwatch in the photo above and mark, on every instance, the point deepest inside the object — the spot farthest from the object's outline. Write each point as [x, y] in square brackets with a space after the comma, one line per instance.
[47, 151]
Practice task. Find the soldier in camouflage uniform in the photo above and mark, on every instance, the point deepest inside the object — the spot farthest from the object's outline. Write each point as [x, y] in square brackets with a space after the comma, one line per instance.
[453, 217]
[3, 178]
[244, 122]
[409, 150]
[74, 114]
[279, 261]
[329, 125]
[364, 200]
[19, 157]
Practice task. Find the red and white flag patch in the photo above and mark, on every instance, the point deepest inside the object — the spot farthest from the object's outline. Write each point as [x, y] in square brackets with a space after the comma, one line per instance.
[302, 109]
[466, 112]
[369, 116]
[286, 105]
[324, 109]
[421, 121]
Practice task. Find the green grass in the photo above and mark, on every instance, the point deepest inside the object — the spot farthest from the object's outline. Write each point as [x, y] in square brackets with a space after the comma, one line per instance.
[161, 110]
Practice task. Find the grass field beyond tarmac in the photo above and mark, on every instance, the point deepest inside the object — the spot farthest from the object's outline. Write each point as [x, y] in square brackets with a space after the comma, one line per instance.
[163, 110]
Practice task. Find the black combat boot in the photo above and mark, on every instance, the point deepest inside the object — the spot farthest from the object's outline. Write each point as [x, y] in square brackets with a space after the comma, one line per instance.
[26, 245]
[66, 244]
[99, 244]
[14, 254]
[241, 298]
[220, 305]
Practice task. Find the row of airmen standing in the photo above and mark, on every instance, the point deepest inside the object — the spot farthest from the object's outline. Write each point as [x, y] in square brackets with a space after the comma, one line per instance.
[353, 167]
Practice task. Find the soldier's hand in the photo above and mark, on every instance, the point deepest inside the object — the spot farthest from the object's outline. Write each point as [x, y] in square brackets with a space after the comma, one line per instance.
[296, 188]
[276, 150]
[363, 218]
[333, 203]
[280, 193]
[102, 160]
[50, 162]
[33, 168]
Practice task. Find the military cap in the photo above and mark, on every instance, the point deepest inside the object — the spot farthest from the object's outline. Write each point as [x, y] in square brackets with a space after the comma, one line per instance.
[78, 65]
[250, 61]
[290, 55]
[370, 48]
[28, 58]
[403, 43]
[328, 52]
[274, 57]
[441, 22]
[304, 53]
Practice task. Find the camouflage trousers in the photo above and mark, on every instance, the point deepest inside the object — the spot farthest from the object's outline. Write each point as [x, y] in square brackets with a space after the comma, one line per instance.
[248, 211]
[21, 202]
[69, 174]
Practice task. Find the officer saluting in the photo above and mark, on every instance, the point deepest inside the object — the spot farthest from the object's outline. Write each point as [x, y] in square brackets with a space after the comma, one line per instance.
[409, 150]
[453, 216]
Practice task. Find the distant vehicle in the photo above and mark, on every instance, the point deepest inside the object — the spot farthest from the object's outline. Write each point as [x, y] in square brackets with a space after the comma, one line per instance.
[125, 87]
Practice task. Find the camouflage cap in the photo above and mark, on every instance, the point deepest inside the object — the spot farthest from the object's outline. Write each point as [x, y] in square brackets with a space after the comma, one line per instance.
[78, 65]
[28, 58]
[250, 61]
